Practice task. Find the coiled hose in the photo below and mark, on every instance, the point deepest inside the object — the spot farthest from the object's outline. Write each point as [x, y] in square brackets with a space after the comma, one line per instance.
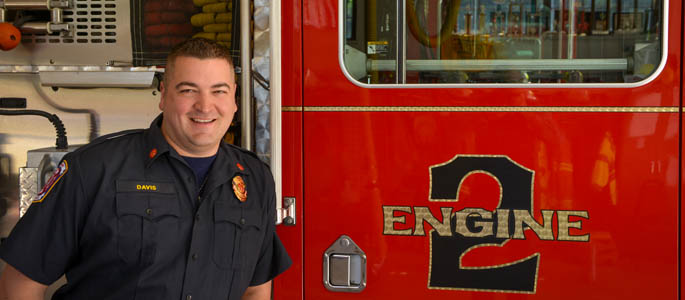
[61, 142]
[445, 30]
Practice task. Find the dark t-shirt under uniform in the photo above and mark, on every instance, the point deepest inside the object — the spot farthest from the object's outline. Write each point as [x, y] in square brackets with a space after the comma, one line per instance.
[124, 220]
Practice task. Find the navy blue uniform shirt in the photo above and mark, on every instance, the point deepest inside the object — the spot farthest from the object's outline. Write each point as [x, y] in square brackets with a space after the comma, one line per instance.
[124, 221]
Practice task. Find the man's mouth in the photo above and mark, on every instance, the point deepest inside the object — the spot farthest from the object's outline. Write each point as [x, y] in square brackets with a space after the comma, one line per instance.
[198, 120]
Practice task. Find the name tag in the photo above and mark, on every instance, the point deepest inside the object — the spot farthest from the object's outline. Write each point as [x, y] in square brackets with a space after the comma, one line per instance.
[145, 186]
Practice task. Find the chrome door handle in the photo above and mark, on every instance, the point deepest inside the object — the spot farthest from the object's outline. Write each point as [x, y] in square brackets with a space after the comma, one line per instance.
[344, 266]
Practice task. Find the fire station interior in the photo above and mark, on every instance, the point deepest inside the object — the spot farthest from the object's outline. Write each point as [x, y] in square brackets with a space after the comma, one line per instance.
[85, 68]
[502, 41]
[96, 64]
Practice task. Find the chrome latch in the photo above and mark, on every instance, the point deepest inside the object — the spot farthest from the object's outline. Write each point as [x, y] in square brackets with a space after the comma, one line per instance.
[344, 266]
[286, 214]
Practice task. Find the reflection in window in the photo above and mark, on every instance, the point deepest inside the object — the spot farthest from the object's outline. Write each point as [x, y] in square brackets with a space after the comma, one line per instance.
[503, 41]
[372, 37]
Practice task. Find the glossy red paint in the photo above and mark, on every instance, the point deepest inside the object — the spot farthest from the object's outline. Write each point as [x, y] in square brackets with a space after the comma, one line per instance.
[628, 188]
[682, 207]
[291, 52]
[682, 165]
[325, 84]
[622, 168]
[289, 285]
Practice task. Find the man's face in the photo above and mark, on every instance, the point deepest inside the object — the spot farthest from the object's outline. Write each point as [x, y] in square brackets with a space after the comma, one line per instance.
[198, 104]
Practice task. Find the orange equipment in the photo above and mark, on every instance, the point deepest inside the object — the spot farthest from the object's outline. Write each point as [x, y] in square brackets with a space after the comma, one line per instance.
[10, 36]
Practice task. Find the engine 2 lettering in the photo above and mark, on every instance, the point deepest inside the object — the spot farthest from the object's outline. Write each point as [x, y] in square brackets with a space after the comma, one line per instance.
[478, 222]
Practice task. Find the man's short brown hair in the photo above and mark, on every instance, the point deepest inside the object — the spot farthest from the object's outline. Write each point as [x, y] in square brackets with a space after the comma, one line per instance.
[197, 48]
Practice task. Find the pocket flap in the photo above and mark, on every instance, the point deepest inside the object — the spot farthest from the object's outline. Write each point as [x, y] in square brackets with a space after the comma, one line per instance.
[147, 205]
[236, 215]
[253, 217]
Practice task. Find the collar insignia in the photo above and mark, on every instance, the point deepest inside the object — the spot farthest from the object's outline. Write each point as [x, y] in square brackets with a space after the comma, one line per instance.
[153, 152]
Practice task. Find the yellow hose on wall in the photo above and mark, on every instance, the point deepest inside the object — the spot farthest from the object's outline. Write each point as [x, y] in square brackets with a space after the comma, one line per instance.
[445, 30]
[371, 33]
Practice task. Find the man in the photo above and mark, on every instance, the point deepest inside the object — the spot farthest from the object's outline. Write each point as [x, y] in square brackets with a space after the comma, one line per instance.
[170, 212]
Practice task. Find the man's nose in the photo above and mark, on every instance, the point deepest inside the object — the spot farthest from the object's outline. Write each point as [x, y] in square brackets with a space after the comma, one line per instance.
[203, 103]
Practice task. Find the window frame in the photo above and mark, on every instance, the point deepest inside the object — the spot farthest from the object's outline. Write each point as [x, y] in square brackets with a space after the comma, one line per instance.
[401, 29]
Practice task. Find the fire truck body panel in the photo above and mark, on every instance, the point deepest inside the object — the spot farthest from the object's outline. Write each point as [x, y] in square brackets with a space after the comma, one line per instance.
[361, 171]
[610, 151]
[290, 284]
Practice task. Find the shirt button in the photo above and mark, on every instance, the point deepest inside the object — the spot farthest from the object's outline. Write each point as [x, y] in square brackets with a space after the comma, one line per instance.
[189, 297]
[194, 256]
[242, 221]
[148, 211]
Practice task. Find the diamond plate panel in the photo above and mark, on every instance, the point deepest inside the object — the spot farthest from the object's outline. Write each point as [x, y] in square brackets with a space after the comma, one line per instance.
[28, 188]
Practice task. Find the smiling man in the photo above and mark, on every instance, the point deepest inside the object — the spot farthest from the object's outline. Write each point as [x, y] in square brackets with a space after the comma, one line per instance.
[198, 103]
[169, 212]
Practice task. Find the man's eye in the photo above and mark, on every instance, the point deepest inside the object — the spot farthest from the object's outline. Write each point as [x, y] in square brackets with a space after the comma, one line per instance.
[220, 92]
[186, 91]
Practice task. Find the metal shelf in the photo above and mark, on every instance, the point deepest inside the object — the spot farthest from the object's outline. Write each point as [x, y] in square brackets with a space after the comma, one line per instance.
[617, 64]
[88, 76]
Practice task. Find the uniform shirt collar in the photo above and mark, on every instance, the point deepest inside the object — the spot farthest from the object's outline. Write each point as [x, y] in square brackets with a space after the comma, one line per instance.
[157, 145]
[234, 163]
[155, 142]
[226, 167]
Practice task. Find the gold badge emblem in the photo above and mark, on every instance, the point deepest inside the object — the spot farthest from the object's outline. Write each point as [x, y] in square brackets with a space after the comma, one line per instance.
[239, 188]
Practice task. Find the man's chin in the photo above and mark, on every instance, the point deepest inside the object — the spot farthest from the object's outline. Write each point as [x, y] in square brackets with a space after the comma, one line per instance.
[205, 142]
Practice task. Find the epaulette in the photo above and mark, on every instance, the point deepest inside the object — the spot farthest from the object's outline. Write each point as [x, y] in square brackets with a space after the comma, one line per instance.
[110, 136]
[248, 152]
[120, 133]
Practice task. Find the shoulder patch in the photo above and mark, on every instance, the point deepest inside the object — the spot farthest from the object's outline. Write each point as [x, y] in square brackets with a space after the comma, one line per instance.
[56, 176]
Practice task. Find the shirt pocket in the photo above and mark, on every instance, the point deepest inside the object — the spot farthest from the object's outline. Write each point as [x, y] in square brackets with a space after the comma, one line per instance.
[236, 235]
[140, 218]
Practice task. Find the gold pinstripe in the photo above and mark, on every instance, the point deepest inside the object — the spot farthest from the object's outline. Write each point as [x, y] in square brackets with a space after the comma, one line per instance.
[595, 109]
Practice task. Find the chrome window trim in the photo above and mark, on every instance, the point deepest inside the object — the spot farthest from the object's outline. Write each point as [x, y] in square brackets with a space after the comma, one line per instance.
[649, 79]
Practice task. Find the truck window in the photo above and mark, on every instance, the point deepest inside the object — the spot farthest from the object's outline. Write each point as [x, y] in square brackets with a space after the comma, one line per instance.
[516, 41]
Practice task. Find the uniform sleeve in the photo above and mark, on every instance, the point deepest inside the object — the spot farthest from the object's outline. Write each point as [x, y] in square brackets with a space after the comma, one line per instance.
[273, 259]
[44, 242]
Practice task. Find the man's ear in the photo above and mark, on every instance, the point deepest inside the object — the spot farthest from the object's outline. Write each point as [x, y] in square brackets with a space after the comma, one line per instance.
[161, 98]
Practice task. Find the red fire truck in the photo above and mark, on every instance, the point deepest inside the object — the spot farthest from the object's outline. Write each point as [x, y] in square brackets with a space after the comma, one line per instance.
[479, 149]
[481, 162]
